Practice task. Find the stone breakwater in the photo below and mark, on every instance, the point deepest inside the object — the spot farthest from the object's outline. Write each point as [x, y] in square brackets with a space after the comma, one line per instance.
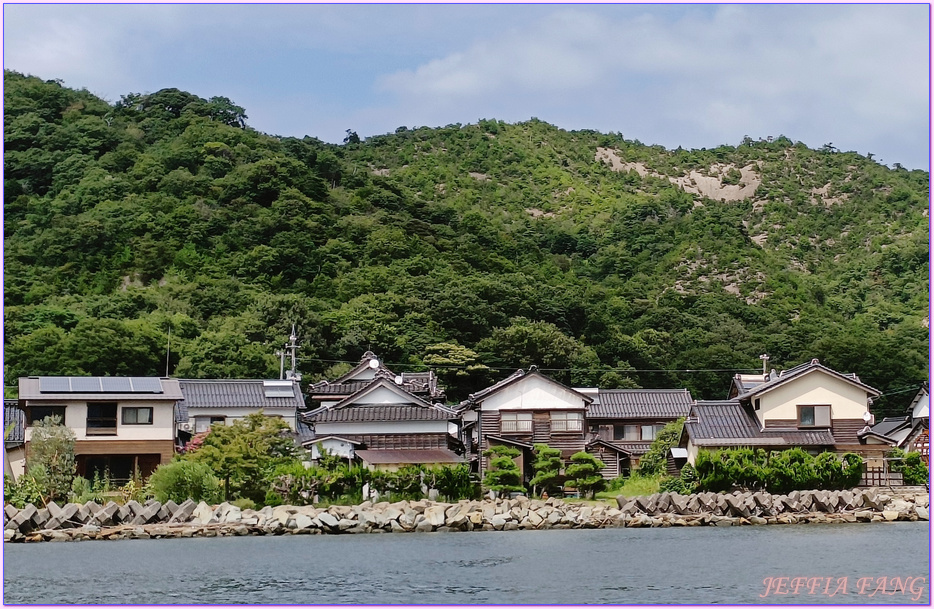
[75, 522]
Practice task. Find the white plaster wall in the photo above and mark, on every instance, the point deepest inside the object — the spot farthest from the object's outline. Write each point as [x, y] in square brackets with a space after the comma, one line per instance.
[533, 393]
[692, 452]
[333, 446]
[16, 457]
[815, 388]
[383, 395]
[162, 428]
[231, 414]
[337, 429]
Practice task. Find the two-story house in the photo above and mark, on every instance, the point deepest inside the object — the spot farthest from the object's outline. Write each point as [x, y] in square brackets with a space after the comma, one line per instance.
[629, 419]
[370, 415]
[122, 425]
[528, 408]
[810, 405]
[210, 401]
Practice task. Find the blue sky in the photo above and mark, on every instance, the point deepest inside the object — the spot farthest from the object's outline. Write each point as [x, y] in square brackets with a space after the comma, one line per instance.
[676, 75]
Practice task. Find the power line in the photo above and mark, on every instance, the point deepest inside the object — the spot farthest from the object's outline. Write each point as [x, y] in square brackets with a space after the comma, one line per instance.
[464, 367]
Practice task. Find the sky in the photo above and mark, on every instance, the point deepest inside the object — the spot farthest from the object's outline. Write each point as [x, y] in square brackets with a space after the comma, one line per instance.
[691, 75]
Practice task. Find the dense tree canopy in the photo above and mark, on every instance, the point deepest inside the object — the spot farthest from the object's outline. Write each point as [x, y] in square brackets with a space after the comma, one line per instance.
[489, 245]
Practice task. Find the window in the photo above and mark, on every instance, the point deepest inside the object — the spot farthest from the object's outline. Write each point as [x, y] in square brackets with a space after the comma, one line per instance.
[516, 421]
[38, 413]
[814, 416]
[204, 423]
[102, 419]
[631, 432]
[137, 416]
[648, 432]
[567, 421]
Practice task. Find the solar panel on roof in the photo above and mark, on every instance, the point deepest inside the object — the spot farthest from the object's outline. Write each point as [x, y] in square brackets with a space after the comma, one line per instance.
[142, 384]
[54, 384]
[115, 384]
[85, 384]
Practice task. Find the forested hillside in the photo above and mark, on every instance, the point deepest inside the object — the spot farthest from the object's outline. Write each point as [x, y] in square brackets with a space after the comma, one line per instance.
[470, 248]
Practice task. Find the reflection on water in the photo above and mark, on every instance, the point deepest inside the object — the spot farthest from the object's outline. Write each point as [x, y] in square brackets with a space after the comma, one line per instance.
[611, 566]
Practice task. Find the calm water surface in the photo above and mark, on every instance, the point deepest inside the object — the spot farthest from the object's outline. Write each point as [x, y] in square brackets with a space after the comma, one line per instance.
[610, 566]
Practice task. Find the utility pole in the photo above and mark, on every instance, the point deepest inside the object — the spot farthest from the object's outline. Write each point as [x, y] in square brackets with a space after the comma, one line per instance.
[168, 347]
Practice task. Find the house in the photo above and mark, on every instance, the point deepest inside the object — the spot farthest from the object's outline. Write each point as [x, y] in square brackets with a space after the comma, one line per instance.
[379, 422]
[719, 424]
[328, 393]
[810, 405]
[14, 430]
[909, 432]
[122, 425]
[629, 419]
[527, 408]
[210, 401]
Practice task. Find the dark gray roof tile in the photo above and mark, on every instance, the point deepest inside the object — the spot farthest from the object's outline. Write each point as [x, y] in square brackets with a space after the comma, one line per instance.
[234, 393]
[640, 403]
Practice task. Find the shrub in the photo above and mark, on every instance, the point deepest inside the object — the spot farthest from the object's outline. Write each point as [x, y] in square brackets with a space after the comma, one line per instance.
[51, 462]
[181, 480]
[244, 504]
[584, 473]
[504, 474]
[910, 465]
[547, 467]
[655, 461]
[778, 472]
[22, 491]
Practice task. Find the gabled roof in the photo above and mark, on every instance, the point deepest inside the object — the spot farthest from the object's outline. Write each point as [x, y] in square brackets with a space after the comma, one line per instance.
[368, 361]
[640, 403]
[920, 407]
[239, 393]
[379, 412]
[801, 370]
[605, 444]
[728, 423]
[513, 378]
[354, 408]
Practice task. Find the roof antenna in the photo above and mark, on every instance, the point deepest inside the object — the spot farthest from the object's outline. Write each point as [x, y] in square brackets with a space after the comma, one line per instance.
[765, 364]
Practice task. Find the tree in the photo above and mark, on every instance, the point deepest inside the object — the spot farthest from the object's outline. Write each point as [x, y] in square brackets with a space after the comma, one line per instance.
[547, 467]
[245, 453]
[51, 461]
[584, 473]
[655, 461]
[504, 474]
[181, 480]
[351, 137]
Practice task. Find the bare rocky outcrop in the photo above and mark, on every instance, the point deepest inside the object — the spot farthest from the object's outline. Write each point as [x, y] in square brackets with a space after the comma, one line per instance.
[76, 522]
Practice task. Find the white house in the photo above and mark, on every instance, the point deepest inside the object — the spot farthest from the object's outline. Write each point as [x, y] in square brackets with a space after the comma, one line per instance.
[122, 425]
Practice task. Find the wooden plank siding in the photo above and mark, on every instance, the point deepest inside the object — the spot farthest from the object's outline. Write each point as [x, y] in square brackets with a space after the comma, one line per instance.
[845, 430]
[164, 448]
[403, 441]
[567, 442]
[610, 458]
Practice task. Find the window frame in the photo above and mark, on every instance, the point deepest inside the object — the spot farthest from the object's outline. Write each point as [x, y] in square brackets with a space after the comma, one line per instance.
[98, 428]
[519, 422]
[128, 409]
[53, 408]
[561, 421]
[814, 416]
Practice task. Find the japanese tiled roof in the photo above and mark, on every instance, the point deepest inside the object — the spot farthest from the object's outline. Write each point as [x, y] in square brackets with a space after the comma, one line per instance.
[378, 412]
[796, 371]
[640, 403]
[424, 455]
[890, 424]
[728, 423]
[234, 393]
[14, 419]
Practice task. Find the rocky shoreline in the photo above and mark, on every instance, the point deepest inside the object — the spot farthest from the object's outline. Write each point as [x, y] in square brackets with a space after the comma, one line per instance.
[154, 520]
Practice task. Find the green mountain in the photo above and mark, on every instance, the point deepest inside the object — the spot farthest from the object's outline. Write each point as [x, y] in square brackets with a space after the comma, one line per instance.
[475, 249]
